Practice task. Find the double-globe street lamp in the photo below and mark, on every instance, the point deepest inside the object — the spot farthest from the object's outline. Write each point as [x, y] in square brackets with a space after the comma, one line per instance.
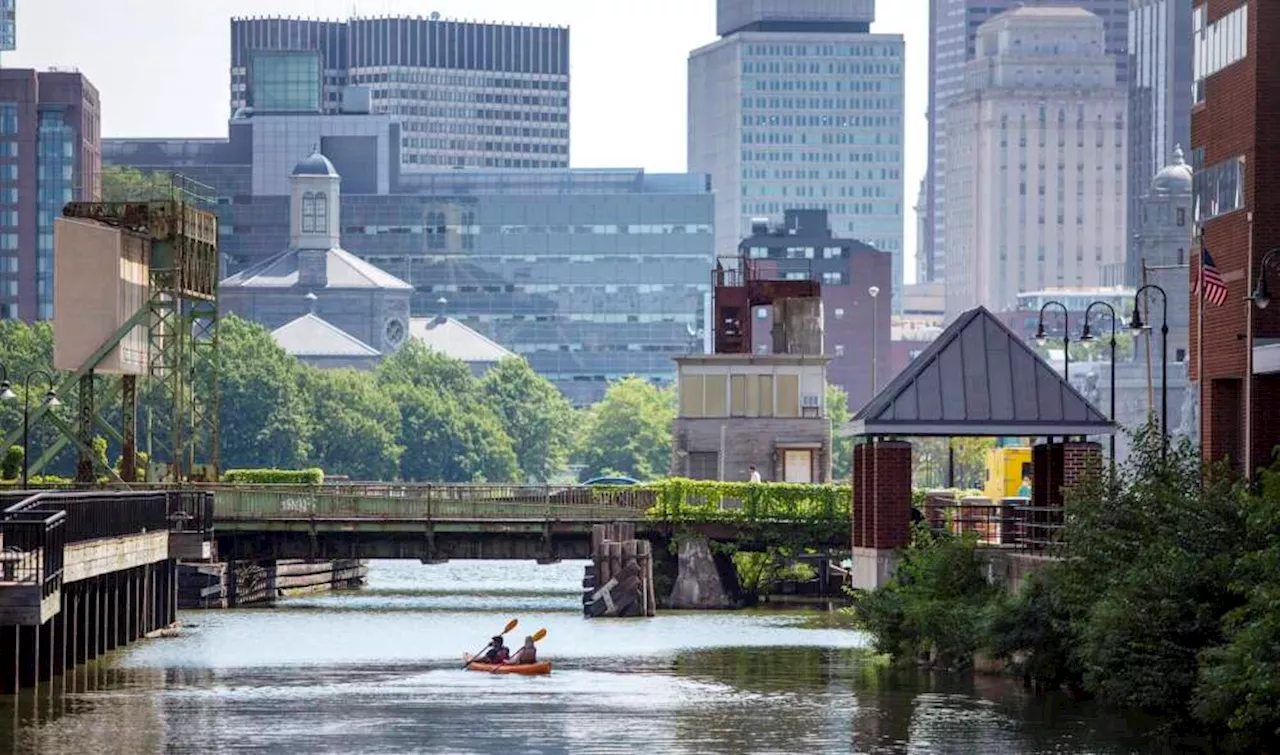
[1066, 336]
[1138, 326]
[50, 401]
[1086, 336]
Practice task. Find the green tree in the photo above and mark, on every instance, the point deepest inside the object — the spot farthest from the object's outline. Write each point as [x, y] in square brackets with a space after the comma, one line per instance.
[1239, 684]
[628, 431]
[124, 184]
[448, 441]
[263, 414]
[447, 431]
[841, 447]
[537, 418]
[971, 460]
[354, 423]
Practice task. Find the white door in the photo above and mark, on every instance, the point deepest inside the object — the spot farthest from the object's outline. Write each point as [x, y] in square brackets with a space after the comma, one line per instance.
[797, 465]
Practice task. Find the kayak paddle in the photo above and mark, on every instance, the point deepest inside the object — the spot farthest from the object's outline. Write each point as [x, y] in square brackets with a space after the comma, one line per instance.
[510, 625]
[537, 636]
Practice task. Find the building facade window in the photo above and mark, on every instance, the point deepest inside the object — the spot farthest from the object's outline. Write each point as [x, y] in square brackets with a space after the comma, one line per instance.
[55, 174]
[1217, 45]
[285, 82]
[1218, 189]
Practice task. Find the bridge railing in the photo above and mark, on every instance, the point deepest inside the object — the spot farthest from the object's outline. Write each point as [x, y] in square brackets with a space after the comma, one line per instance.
[33, 549]
[426, 502]
[97, 514]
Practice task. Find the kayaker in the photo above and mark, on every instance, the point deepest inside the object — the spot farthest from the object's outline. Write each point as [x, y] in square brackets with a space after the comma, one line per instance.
[498, 652]
[525, 655]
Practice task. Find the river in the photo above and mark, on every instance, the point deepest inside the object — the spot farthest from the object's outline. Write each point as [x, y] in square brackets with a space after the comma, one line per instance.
[377, 671]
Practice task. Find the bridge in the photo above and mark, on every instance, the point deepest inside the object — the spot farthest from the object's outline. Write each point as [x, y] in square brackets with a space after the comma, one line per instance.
[441, 522]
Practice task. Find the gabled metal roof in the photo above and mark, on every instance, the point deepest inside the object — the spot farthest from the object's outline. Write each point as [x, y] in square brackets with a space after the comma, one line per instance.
[979, 379]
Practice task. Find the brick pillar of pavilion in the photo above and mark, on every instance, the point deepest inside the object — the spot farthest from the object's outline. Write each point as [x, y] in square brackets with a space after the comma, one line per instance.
[1055, 469]
[881, 509]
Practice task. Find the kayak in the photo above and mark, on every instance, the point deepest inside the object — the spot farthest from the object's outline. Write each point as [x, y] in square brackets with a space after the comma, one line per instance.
[525, 669]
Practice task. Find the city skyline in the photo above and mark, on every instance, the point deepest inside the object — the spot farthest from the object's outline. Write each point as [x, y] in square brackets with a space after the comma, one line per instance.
[612, 102]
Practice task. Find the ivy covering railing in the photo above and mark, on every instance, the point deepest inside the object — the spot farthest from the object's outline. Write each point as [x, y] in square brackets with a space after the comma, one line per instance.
[693, 501]
[313, 476]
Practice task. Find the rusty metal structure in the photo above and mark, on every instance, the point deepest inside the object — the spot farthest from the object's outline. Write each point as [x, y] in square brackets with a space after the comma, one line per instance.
[741, 284]
[180, 316]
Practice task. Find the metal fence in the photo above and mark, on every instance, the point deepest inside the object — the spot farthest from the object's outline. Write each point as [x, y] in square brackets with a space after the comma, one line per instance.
[1007, 522]
[33, 542]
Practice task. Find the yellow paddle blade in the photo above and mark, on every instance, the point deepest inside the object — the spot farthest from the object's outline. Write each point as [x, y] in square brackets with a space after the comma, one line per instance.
[538, 635]
[511, 625]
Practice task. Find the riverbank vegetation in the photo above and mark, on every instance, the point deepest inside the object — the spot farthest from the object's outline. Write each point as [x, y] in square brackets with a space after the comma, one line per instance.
[1166, 600]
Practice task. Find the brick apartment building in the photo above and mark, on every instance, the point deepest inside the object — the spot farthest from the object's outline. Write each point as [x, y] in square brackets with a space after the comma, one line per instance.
[1236, 157]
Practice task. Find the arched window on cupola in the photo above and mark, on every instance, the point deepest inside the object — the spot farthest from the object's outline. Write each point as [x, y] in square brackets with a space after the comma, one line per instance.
[315, 212]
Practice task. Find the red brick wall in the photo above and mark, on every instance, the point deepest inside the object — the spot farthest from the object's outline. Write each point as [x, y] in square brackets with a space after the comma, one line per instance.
[1238, 117]
[882, 495]
[1056, 468]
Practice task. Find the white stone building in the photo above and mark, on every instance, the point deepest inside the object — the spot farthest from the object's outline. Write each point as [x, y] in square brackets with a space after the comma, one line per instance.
[1037, 165]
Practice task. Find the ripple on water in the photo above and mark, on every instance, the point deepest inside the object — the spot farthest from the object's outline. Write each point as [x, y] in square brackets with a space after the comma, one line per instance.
[377, 671]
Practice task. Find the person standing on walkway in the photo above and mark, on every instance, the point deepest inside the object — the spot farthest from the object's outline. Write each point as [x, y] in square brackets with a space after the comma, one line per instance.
[755, 473]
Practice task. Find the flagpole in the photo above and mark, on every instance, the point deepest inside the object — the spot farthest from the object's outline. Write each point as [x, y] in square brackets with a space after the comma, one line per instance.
[1200, 381]
[1248, 360]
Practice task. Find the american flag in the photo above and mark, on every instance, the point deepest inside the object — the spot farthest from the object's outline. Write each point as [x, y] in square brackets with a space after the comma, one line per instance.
[1215, 291]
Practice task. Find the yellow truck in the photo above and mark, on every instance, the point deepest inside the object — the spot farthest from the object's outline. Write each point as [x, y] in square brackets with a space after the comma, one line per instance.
[1006, 468]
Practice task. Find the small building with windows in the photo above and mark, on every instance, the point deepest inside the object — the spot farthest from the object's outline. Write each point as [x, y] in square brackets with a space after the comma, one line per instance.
[741, 407]
[763, 410]
[804, 248]
[317, 287]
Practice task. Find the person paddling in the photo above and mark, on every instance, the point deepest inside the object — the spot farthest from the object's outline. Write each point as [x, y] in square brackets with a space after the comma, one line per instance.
[497, 653]
[525, 655]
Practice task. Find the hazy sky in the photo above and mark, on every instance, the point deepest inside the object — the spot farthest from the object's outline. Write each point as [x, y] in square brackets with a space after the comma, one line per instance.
[161, 65]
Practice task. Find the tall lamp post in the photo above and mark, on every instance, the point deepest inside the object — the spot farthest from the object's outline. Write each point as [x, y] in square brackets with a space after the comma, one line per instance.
[1086, 336]
[1066, 336]
[1137, 326]
[875, 328]
[1261, 291]
[50, 400]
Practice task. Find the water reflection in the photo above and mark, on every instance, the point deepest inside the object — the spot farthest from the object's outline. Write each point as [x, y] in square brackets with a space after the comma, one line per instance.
[378, 671]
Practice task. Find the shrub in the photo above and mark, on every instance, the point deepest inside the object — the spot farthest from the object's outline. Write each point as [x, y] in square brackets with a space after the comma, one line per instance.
[311, 476]
[934, 605]
[11, 464]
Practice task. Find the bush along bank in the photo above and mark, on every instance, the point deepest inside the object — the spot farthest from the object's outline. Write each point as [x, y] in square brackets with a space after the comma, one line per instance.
[1166, 601]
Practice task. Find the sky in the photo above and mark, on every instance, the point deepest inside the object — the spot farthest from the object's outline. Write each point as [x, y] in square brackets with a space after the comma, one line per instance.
[161, 66]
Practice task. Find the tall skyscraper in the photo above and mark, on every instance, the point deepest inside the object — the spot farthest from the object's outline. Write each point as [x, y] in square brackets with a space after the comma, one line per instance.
[799, 106]
[468, 94]
[1037, 149]
[1159, 100]
[50, 154]
[953, 28]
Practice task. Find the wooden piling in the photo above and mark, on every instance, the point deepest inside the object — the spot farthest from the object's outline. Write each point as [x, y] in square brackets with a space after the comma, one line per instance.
[619, 581]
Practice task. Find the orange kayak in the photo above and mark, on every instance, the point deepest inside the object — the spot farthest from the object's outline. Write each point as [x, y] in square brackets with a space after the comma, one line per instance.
[525, 669]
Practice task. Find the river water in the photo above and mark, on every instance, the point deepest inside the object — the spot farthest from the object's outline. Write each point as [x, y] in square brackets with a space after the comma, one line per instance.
[377, 671]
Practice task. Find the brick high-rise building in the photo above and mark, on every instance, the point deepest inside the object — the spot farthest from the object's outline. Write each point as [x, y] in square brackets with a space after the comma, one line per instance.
[50, 154]
[1236, 158]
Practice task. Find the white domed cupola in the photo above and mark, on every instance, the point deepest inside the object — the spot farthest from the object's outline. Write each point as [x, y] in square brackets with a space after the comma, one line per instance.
[314, 205]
